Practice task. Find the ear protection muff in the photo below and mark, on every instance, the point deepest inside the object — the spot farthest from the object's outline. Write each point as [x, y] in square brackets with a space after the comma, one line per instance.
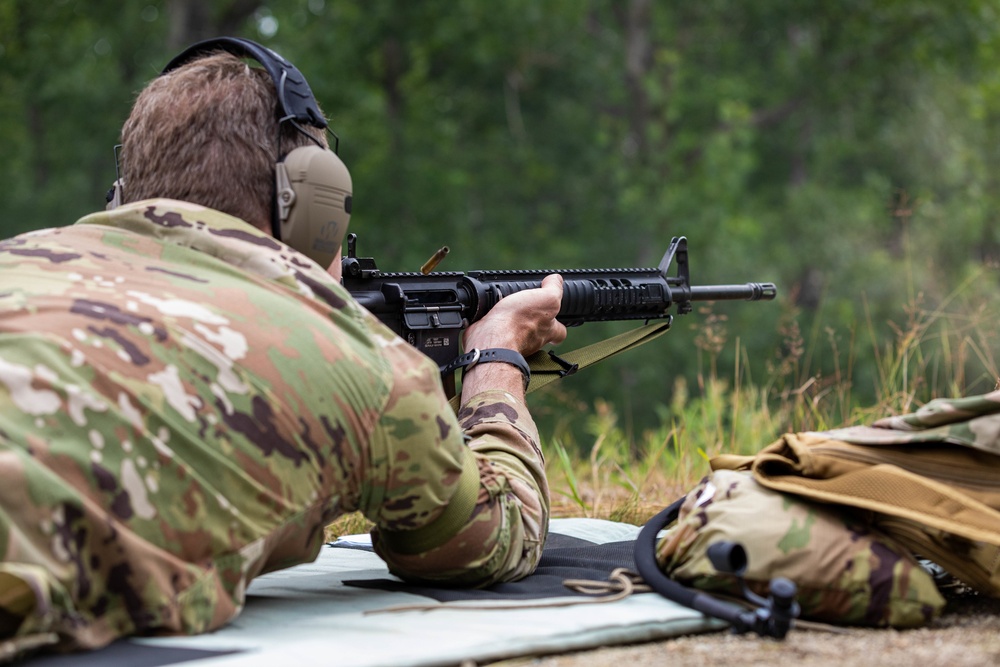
[114, 195]
[313, 202]
[312, 205]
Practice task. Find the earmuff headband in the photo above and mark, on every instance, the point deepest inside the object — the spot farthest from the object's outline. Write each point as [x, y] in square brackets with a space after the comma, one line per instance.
[294, 95]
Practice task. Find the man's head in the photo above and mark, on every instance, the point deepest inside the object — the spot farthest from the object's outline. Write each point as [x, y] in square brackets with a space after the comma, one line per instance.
[206, 133]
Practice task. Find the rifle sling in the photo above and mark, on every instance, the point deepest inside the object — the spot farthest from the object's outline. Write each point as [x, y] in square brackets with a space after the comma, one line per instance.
[547, 367]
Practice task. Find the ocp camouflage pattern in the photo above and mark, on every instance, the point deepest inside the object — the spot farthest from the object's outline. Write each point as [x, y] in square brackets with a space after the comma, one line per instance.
[185, 403]
[929, 479]
[846, 573]
[972, 421]
[968, 545]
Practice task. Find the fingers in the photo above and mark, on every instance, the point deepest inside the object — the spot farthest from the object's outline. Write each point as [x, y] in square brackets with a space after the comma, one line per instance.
[524, 321]
[556, 330]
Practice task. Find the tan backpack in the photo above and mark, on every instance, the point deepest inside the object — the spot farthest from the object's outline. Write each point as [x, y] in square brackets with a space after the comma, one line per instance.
[929, 480]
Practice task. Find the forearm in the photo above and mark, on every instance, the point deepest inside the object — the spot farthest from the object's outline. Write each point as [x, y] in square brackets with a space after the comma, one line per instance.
[493, 377]
[511, 445]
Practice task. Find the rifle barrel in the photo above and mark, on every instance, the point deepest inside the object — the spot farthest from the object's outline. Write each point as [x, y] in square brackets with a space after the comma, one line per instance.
[747, 292]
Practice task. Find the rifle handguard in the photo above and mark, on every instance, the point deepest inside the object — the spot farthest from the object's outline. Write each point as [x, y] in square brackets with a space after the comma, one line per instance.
[477, 356]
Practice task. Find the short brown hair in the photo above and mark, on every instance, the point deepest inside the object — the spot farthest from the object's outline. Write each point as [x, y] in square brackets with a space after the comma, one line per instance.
[206, 133]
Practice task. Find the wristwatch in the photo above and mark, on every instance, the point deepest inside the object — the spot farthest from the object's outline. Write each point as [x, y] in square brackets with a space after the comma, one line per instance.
[477, 356]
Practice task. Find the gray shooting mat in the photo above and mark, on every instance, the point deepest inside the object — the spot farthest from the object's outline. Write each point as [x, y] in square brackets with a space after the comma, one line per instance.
[340, 610]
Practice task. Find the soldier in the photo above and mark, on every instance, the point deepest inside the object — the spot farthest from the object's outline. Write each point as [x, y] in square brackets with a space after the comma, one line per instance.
[186, 401]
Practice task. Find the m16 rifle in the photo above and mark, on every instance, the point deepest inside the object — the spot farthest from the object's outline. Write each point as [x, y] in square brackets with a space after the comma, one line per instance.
[431, 309]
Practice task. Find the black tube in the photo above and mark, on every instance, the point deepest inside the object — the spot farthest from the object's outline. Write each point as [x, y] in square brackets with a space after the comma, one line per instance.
[649, 570]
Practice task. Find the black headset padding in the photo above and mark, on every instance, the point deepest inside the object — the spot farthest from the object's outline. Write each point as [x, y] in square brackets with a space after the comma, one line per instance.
[294, 95]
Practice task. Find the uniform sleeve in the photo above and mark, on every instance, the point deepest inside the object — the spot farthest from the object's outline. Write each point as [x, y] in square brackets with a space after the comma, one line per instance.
[462, 500]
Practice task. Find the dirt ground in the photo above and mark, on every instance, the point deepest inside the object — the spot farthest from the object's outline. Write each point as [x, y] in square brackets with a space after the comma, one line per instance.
[966, 635]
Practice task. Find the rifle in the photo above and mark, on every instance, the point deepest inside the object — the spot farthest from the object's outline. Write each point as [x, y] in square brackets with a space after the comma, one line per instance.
[430, 309]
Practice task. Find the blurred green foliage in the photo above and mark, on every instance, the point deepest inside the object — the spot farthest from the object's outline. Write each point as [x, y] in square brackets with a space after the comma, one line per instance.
[846, 151]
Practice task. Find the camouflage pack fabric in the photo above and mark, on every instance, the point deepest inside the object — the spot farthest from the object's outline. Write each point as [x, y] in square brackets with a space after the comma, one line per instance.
[846, 572]
[930, 479]
[185, 403]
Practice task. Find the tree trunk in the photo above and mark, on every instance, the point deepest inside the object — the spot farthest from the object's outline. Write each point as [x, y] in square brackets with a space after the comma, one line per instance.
[635, 20]
[194, 20]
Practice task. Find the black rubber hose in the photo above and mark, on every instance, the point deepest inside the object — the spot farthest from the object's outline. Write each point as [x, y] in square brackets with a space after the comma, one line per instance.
[649, 570]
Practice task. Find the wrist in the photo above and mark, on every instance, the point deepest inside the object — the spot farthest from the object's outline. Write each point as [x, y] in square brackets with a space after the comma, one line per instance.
[501, 356]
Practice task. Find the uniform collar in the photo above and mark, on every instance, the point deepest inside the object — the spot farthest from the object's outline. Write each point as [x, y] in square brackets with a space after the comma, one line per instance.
[220, 235]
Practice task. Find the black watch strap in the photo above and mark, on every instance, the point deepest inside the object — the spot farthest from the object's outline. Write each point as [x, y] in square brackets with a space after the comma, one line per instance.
[477, 356]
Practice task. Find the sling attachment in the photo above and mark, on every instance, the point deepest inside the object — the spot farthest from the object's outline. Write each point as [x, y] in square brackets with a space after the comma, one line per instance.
[568, 368]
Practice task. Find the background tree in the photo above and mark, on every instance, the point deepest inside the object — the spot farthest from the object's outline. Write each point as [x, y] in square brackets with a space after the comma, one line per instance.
[846, 151]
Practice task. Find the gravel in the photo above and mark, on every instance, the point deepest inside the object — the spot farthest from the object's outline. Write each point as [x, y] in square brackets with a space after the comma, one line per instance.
[966, 635]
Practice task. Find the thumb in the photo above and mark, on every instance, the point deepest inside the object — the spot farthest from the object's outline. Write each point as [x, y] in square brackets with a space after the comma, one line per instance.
[553, 283]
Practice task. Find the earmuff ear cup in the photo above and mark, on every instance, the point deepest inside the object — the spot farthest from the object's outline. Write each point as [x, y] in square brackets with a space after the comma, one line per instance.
[114, 195]
[313, 190]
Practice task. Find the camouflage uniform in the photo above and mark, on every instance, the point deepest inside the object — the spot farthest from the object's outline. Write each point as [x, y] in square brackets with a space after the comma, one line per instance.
[185, 403]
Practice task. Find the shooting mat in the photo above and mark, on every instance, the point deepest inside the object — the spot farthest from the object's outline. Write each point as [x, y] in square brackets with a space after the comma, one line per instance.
[322, 613]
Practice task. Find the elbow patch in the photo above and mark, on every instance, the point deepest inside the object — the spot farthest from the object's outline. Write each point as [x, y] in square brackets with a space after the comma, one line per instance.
[454, 517]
